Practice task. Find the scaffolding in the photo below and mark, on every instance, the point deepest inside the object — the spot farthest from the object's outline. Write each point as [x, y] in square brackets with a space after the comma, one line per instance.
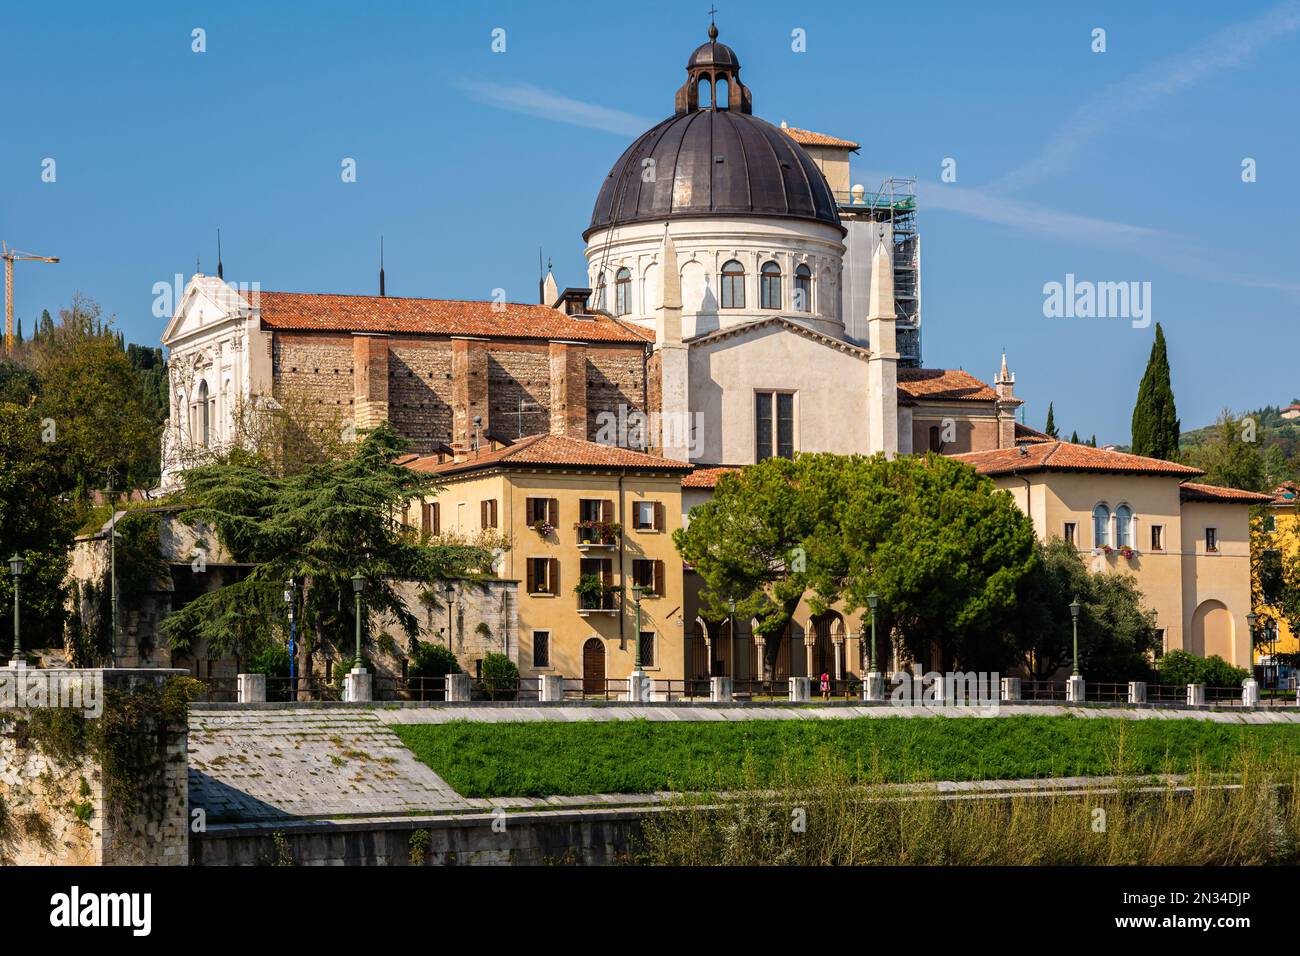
[894, 204]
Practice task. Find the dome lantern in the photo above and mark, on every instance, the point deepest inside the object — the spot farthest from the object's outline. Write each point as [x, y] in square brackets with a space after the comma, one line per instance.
[711, 64]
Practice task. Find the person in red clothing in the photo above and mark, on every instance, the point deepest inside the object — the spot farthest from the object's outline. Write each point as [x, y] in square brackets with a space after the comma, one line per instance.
[826, 686]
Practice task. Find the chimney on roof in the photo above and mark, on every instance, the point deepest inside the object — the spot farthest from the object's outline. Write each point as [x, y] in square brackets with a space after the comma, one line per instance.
[381, 266]
[221, 274]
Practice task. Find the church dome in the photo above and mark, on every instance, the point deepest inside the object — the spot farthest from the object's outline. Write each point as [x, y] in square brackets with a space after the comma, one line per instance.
[714, 53]
[712, 160]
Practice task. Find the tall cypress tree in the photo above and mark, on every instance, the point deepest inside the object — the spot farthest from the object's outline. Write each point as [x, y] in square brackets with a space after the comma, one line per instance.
[1050, 428]
[1155, 419]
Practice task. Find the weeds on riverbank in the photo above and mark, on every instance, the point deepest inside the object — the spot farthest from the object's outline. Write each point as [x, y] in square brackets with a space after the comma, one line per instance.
[827, 816]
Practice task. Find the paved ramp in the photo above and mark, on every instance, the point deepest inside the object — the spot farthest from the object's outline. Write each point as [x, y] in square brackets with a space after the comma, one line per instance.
[262, 765]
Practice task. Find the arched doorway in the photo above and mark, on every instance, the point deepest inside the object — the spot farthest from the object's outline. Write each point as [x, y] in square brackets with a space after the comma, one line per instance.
[1212, 631]
[825, 628]
[593, 666]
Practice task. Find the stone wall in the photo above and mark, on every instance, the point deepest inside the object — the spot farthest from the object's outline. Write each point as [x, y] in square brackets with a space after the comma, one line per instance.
[580, 837]
[57, 808]
[484, 619]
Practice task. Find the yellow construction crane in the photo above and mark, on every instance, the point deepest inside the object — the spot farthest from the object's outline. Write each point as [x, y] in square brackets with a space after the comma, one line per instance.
[10, 256]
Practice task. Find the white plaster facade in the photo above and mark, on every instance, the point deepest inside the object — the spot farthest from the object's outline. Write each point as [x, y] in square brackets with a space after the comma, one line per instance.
[704, 246]
[219, 357]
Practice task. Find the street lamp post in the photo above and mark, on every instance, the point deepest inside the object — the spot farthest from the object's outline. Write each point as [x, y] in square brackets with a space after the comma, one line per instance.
[1251, 620]
[731, 632]
[1075, 607]
[451, 597]
[358, 583]
[873, 602]
[637, 591]
[293, 647]
[16, 569]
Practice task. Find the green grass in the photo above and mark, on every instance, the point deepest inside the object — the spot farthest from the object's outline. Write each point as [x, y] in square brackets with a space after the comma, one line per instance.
[551, 758]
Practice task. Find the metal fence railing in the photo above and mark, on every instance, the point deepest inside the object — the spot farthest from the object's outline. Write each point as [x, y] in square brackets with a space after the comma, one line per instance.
[394, 688]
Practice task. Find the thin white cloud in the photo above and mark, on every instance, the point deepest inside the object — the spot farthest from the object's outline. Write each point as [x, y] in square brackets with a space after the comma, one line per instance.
[1170, 249]
[535, 101]
[1223, 50]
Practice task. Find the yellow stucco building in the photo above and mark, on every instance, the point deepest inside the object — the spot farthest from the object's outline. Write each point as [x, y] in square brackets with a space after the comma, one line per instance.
[585, 524]
[1187, 544]
[1279, 531]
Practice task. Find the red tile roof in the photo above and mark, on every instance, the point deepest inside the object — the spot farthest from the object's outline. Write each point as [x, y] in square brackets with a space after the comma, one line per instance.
[806, 137]
[1285, 495]
[304, 312]
[707, 477]
[1030, 436]
[1191, 491]
[944, 384]
[1063, 456]
[556, 451]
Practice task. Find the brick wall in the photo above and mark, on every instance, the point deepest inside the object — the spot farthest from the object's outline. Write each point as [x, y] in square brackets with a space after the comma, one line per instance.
[421, 391]
[436, 386]
[316, 368]
[614, 377]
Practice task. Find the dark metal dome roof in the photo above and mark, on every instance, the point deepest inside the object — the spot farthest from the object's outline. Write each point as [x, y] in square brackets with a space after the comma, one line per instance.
[714, 54]
[713, 162]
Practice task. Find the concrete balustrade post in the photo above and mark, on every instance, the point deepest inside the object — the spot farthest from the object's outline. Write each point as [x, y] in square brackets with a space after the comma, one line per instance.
[459, 687]
[1075, 690]
[357, 686]
[1137, 692]
[799, 689]
[552, 687]
[1011, 688]
[720, 690]
[251, 688]
[1195, 695]
[1250, 693]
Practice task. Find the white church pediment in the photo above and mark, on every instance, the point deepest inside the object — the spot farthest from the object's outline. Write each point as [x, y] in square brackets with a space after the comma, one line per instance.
[207, 304]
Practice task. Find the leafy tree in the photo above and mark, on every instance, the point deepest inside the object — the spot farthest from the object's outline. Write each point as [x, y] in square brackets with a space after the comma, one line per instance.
[36, 524]
[1117, 635]
[1227, 459]
[19, 385]
[1050, 428]
[940, 545]
[745, 544]
[1155, 418]
[1074, 438]
[92, 395]
[318, 527]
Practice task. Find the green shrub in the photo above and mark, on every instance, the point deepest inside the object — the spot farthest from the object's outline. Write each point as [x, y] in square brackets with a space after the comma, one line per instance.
[272, 660]
[1180, 667]
[432, 660]
[500, 677]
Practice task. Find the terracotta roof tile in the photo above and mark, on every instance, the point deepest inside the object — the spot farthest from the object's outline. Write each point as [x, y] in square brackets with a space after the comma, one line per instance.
[556, 451]
[944, 384]
[302, 311]
[1030, 436]
[1191, 491]
[806, 137]
[1063, 456]
[707, 477]
[1285, 494]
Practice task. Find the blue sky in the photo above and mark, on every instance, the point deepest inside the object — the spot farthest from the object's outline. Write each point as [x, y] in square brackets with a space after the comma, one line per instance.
[1115, 166]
